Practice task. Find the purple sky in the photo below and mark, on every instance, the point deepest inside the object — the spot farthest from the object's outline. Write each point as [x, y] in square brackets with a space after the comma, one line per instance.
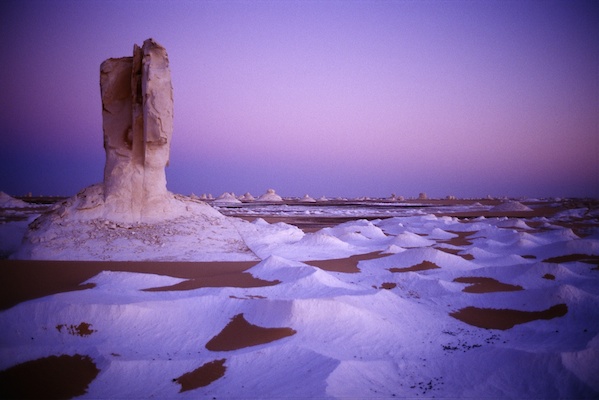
[363, 98]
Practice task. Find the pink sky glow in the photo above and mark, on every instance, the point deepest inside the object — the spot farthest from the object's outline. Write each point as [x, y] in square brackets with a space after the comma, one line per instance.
[349, 98]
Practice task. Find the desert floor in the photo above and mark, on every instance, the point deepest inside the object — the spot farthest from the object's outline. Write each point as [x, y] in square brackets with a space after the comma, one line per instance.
[448, 302]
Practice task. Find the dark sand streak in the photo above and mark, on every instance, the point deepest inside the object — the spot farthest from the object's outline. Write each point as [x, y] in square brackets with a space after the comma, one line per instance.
[83, 329]
[239, 333]
[486, 285]
[54, 377]
[347, 265]
[242, 280]
[492, 318]
[460, 240]
[585, 258]
[23, 280]
[423, 266]
[456, 252]
[202, 376]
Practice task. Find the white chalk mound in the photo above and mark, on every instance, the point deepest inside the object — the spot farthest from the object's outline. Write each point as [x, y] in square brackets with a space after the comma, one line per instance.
[307, 199]
[247, 197]
[270, 196]
[510, 206]
[227, 198]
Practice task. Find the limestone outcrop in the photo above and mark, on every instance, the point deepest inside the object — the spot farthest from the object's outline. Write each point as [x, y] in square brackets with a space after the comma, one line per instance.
[137, 122]
[132, 207]
[137, 116]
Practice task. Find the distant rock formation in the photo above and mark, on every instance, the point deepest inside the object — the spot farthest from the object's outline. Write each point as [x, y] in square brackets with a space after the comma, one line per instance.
[247, 197]
[270, 196]
[307, 199]
[511, 205]
[227, 198]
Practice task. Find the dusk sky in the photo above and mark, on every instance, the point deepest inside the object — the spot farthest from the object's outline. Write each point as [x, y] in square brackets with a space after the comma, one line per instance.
[348, 98]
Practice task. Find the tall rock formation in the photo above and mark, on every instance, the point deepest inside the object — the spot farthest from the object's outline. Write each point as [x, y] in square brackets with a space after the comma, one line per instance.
[137, 116]
[131, 215]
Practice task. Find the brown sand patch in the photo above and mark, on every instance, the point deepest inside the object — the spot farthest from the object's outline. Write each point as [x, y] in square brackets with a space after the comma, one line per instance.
[455, 252]
[550, 277]
[54, 377]
[202, 376]
[22, 280]
[239, 334]
[486, 285]
[460, 240]
[585, 258]
[241, 280]
[423, 266]
[83, 329]
[388, 285]
[347, 265]
[492, 318]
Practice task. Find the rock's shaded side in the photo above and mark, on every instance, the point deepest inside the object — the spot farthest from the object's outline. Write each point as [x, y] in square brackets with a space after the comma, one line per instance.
[137, 115]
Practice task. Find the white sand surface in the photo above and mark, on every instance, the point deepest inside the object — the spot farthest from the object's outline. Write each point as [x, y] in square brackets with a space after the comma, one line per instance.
[381, 329]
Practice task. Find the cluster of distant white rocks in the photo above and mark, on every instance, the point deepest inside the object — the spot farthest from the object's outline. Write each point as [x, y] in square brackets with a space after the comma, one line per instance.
[269, 197]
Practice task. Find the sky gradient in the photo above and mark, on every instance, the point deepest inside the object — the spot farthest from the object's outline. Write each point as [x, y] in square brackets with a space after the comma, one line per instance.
[363, 98]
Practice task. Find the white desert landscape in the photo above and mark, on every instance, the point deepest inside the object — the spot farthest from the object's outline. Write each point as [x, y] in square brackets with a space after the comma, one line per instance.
[129, 291]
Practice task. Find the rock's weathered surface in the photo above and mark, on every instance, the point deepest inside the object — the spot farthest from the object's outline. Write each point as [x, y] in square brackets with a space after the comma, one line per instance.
[137, 115]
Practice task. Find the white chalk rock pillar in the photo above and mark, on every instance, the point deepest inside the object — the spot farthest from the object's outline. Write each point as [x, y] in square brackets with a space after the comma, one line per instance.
[137, 116]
